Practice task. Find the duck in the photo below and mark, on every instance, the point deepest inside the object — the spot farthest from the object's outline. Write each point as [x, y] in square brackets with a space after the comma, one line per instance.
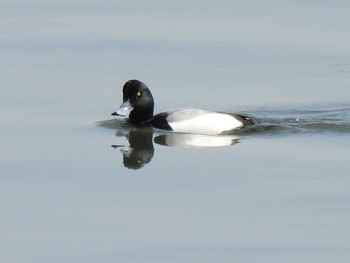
[138, 107]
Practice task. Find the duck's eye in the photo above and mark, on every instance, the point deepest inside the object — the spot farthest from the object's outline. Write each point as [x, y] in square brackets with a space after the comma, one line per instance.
[138, 94]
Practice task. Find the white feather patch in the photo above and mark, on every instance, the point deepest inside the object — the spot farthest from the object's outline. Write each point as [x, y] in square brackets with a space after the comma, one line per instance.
[206, 123]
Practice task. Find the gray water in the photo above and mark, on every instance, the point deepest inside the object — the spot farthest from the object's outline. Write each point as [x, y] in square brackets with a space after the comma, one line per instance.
[80, 186]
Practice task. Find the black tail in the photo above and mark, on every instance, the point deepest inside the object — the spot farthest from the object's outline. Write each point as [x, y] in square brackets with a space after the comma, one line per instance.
[246, 120]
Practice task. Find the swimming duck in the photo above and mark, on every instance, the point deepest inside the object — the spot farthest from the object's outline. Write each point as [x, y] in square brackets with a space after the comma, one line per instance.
[138, 106]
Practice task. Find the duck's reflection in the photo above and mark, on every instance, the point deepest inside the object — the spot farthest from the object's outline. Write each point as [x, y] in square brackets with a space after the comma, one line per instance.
[140, 150]
[194, 140]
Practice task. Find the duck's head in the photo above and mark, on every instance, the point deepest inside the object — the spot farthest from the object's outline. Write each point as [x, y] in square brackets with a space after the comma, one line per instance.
[138, 102]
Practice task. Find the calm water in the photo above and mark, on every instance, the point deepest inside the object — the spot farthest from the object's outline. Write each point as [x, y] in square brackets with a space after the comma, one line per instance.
[79, 186]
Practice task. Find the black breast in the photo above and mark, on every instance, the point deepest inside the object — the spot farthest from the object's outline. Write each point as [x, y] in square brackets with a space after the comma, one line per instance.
[160, 121]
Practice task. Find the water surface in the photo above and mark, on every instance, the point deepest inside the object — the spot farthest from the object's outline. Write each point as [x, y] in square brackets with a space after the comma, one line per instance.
[278, 193]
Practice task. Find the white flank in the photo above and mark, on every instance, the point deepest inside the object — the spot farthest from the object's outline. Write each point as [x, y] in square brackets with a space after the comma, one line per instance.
[208, 123]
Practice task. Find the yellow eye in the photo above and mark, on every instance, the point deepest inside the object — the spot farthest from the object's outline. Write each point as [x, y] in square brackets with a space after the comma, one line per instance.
[138, 94]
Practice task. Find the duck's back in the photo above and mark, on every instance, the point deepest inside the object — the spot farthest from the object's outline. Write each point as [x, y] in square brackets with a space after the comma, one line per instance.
[199, 121]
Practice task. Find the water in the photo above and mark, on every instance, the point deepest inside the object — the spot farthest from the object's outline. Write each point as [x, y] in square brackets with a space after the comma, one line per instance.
[79, 186]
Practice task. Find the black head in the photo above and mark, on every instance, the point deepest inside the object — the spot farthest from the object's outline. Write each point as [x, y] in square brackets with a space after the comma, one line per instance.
[138, 102]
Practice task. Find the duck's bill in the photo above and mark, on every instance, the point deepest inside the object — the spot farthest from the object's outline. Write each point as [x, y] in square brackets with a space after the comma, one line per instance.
[124, 109]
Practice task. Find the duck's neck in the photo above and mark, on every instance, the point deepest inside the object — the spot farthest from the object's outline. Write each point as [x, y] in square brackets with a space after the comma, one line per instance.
[139, 115]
